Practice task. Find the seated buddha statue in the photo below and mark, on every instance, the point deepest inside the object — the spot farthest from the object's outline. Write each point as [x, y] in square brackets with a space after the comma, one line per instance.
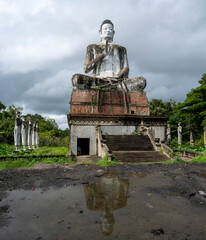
[109, 64]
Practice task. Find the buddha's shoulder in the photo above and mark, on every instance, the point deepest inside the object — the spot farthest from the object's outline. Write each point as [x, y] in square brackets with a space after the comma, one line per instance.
[114, 45]
[101, 45]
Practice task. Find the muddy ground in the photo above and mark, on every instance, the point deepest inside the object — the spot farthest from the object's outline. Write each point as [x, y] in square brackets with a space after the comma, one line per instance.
[157, 201]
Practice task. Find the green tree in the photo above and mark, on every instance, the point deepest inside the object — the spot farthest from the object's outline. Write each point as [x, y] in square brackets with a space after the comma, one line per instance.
[159, 108]
[193, 109]
[7, 123]
[2, 106]
[50, 134]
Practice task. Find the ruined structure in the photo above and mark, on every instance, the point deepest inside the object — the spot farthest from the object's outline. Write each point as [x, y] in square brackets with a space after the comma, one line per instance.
[108, 102]
[17, 131]
[23, 132]
[179, 134]
[29, 135]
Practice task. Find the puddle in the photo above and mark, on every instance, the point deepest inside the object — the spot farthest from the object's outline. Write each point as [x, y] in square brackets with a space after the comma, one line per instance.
[112, 208]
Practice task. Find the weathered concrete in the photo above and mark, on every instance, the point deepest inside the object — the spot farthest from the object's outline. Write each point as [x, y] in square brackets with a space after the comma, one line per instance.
[84, 126]
[108, 100]
[159, 132]
[109, 64]
[179, 134]
[29, 135]
[78, 131]
[17, 131]
[118, 130]
[168, 134]
[23, 132]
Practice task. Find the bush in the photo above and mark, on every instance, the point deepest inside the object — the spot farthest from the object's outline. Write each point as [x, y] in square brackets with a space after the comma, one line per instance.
[6, 149]
[104, 162]
[174, 143]
[194, 148]
[199, 159]
[52, 141]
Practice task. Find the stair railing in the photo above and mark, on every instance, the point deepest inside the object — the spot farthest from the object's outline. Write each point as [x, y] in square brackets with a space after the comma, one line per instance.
[154, 141]
[159, 145]
[102, 146]
[166, 150]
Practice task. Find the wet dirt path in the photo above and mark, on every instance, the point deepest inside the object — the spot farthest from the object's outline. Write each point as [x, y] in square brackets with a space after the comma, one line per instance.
[88, 202]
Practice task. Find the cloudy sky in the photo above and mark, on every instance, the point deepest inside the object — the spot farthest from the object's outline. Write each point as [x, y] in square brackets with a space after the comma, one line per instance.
[43, 43]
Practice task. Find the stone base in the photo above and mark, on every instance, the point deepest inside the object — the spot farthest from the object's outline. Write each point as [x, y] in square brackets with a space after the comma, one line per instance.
[109, 102]
[83, 128]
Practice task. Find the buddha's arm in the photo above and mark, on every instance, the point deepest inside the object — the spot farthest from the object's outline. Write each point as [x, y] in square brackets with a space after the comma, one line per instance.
[90, 61]
[91, 64]
[123, 72]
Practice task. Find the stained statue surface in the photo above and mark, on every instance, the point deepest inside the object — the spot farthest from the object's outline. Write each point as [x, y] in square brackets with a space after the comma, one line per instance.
[23, 132]
[179, 134]
[168, 134]
[34, 135]
[17, 131]
[192, 135]
[29, 135]
[37, 134]
[109, 65]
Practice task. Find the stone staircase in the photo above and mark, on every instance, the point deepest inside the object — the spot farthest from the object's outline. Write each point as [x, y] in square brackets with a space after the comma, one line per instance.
[133, 148]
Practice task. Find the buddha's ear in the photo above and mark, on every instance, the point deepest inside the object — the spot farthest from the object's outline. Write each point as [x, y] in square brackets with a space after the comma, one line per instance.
[100, 33]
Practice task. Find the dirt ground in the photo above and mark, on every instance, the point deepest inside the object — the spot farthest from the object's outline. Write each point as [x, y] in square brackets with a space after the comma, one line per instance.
[155, 201]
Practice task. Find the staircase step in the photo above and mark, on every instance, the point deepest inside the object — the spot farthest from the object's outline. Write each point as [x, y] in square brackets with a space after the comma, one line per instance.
[140, 156]
[128, 142]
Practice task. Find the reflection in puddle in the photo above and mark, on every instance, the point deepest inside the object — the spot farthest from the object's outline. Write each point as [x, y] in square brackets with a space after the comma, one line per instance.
[134, 208]
[106, 196]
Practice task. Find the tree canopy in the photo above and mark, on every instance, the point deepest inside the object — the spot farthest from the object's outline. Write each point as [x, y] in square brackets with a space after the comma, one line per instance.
[194, 106]
[50, 134]
[191, 111]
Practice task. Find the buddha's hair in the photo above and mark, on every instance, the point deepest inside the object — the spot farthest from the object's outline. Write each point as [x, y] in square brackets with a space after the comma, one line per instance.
[104, 22]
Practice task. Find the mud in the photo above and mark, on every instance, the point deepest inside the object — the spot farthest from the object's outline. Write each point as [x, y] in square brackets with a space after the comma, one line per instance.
[89, 202]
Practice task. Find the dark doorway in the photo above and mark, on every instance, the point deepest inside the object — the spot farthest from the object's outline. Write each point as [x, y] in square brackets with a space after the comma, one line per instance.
[83, 146]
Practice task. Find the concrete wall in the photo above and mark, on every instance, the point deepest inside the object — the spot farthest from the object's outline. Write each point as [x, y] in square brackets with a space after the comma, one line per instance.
[159, 132]
[117, 130]
[78, 131]
[84, 131]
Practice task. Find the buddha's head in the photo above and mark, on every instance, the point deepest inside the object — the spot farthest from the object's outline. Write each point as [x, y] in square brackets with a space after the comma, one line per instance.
[106, 31]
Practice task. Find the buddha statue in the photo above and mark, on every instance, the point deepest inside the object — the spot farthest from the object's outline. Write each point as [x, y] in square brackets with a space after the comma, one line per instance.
[109, 64]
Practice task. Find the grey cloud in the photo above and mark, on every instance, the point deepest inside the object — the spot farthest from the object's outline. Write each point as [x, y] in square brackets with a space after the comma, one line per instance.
[43, 44]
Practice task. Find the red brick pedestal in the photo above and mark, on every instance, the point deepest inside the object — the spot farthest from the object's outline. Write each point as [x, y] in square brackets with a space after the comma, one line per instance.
[108, 102]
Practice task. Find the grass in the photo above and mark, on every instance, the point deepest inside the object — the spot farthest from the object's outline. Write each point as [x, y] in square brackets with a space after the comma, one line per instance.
[50, 151]
[7, 150]
[29, 162]
[195, 148]
[199, 159]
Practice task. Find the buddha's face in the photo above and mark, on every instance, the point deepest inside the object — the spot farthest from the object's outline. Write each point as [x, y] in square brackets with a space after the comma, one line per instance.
[107, 32]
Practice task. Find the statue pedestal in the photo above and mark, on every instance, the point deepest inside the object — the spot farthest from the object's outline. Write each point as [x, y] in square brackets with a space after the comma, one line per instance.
[114, 113]
[109, 102]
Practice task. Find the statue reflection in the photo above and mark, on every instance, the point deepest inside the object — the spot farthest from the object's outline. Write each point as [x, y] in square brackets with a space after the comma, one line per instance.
[106, 196]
